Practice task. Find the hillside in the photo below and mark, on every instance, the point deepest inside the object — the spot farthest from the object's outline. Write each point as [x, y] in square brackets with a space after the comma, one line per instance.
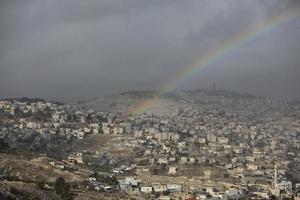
[165, 104]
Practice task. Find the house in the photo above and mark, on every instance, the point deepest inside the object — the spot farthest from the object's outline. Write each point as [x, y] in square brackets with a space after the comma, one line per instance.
[32, 125]
[192, 160]
[174, 188]
[105, 128]
[157, 187]
[207, 174]
[233, 193]
[107, 188]
[162, 160]
[75, 158]
[262, 195]
[117, 170]
[222, 140]
[181, 144]
[91, 179]
[164, 198]
[128, 184]
[57, 165]
[172, 159]
[252, 167]
[202, 140]
[166, 148]
[284, 185]
[146, 189]
[172, 170]
[147, 152]
[211, 137]
[201, 196]
[118, 130]
[86, 130]
[142, 169]
[80, 134]
[138, 133]
[183, 160]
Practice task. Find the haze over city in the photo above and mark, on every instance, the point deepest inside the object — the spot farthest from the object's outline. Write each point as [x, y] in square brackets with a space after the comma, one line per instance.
[71, 50]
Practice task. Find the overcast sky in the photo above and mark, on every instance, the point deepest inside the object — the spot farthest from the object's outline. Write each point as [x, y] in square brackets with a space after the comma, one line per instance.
[79, 49]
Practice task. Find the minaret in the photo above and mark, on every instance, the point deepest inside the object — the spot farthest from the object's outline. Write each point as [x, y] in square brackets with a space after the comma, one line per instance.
[275, 176]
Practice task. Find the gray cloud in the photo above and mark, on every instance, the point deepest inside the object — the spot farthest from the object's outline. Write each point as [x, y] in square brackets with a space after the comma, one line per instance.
[75, 49]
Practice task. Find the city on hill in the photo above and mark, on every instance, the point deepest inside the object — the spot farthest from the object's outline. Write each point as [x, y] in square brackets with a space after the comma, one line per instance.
[201, 144]
[149, 100]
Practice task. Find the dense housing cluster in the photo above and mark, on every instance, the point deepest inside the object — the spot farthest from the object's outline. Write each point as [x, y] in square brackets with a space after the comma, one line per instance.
[245, 148]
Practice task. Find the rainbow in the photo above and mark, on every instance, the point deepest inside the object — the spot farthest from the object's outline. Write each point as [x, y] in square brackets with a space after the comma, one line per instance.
[212, 56]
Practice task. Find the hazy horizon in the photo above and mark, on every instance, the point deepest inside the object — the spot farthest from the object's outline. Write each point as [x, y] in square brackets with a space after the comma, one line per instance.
[77, 50]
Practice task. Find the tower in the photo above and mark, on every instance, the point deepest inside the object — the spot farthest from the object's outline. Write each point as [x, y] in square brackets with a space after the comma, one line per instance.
[214, 86]
[275, 176]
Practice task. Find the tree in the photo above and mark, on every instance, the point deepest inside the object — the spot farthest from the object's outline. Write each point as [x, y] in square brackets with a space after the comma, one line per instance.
[89, 118]
[62, 187]
[41, 184]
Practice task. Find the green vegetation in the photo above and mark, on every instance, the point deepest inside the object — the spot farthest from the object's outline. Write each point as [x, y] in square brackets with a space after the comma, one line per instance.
[62, 188]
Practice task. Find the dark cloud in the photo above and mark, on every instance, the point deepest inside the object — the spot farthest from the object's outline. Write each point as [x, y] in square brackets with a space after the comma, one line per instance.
[75, 49]
[294, 4]
[225, 24]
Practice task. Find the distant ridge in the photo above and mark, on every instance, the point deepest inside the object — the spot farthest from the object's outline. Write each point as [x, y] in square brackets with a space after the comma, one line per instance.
[24, 99]
[31, 100]
[140, 93]
[224, 93]
[165, 104]
[217, 92]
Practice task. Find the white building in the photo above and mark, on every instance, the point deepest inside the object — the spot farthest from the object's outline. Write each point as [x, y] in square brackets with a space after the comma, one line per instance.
[172, 170]
[146, 189]
[75, 157]
[174, 188]
[284, 185]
